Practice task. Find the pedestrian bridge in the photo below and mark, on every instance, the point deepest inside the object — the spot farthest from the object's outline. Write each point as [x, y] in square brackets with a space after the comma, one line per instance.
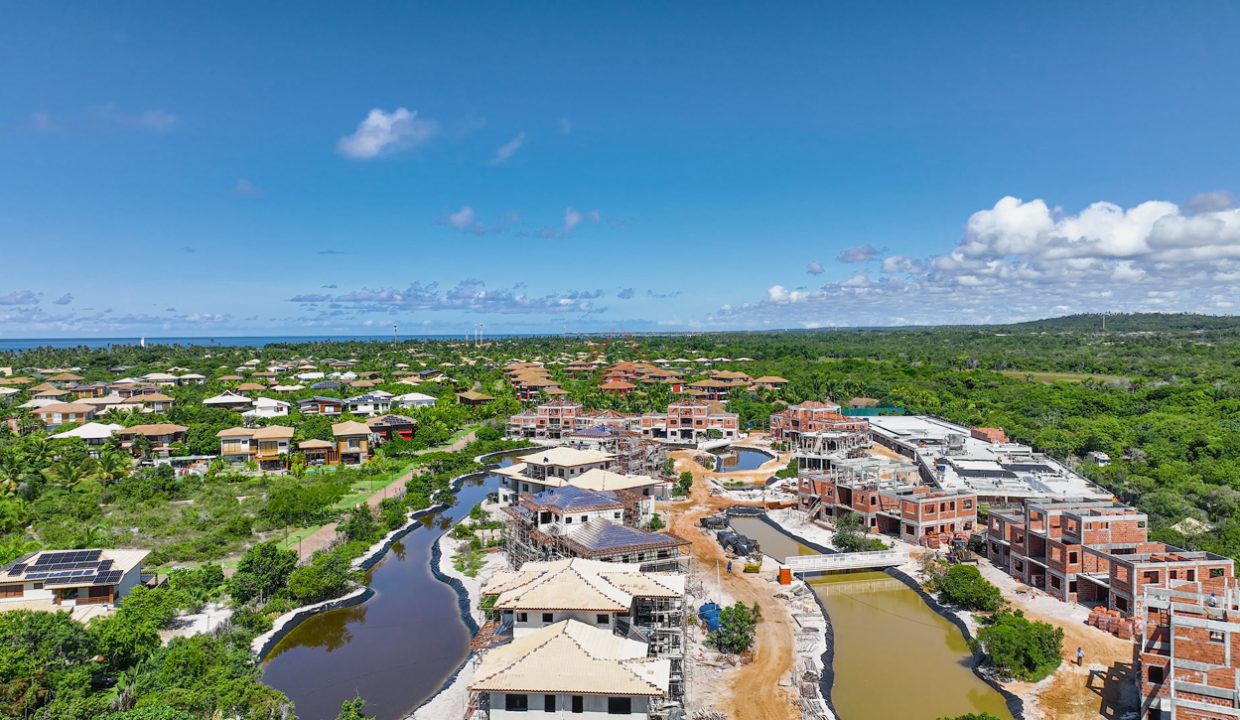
[846, 561]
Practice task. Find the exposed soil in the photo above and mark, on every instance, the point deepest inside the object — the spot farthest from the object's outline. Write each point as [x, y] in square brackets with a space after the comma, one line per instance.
[751, 691]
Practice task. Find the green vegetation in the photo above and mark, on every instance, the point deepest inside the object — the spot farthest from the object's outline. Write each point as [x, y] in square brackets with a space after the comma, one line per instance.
[1020, 648]
[683, 484]
[656, 523]
[738, 626]
[352, 710]
[850, 536]
[972, 716]
[964, 586]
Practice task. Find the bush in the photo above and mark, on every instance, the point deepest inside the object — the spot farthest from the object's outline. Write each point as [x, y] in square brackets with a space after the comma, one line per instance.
[972, 716]
[656, 523]
[262, 572]
[1020, 648]
[963, 585]
[738, 626]
[327, 576]
[850, 536]
[683, 484]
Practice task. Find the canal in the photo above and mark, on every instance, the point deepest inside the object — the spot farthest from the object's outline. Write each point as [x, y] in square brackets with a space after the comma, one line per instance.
[397, 648]
[736, 459]
[895, 657]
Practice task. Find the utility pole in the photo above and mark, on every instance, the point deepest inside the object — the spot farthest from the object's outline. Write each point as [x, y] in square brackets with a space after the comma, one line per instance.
[394, 326]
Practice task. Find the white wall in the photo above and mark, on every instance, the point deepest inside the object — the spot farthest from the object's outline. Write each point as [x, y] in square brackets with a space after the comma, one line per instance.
[595, 708]
[534, 620]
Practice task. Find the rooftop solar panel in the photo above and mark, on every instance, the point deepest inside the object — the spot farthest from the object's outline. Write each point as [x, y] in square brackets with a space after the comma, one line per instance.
[17, 569]
[108, 578]
[68, 556]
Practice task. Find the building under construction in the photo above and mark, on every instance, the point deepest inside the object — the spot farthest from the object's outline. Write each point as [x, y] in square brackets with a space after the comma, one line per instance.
[571, 522]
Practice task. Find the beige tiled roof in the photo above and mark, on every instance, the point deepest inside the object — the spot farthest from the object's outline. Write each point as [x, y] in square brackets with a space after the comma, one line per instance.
[599, 479]
[565, 457]
[235, 432]
[155, 429]
[579, 584]
[315, 445]
[274, 432]
[350, 427]
[571, 657]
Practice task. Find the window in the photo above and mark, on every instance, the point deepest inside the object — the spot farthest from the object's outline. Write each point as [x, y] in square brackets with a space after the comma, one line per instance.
[568, 520]
[1216, 636]
[601, 618]
[619, 705]
[522, 617]
[11, 591]
[1216, 572]
[616, 515]
[516, 703]
[1156, 674]
[1072, 557]
[549, 703]
[548, 617]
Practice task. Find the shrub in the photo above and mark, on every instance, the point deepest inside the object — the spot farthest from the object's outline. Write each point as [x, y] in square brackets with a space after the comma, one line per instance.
[1020, 648]
[263, 571]
[656, 523]
[327, 576]
[738, 626]
[964, 585]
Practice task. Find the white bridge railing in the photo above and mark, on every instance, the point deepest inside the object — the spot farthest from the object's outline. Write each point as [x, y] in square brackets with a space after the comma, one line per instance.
[846, 561]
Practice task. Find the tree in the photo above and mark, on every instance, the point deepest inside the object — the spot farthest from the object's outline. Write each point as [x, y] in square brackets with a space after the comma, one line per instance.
[850, 536]
[361, 525]
[352, 710]
[262, 572]
[964, 585]
[656, 523]
[972, 716]
[328, 575]
[1020, 648]
[683, 484]
[737, 629]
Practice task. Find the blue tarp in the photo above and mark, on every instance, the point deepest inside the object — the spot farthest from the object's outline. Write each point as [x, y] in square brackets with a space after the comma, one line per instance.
[709, 614]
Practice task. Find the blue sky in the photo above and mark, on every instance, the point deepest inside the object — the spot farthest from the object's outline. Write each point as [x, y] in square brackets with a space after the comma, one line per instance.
[243, 168]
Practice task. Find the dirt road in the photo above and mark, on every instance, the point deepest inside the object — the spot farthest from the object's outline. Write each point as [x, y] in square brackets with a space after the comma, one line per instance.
[752, 691]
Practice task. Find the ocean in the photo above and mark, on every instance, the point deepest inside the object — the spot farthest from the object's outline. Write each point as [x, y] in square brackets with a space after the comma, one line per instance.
[21, 344]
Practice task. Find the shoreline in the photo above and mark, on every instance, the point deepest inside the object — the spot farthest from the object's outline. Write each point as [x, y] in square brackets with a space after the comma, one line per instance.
[1015, 703]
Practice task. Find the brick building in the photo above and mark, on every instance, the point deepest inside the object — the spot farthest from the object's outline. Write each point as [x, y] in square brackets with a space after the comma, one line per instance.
[690, 420]
[1188, 650]
[1091, 552]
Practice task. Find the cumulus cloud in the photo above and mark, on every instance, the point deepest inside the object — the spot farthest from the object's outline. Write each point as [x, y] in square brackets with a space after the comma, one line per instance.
[859, 254]
[1021, 260]
[626, 294]
[463, 219]
[1211, 201]
[384, 133]
[815, 268]
[508, 149]
[469, 295]
[19, 297]
[467, 220]
[247, 189]
[63, 299]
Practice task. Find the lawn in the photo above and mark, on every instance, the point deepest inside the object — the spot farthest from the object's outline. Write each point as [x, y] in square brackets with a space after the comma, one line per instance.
[1054, 377]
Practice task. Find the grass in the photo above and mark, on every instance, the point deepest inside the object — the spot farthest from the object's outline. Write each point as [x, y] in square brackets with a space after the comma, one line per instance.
[469, 560]
[1053, 377]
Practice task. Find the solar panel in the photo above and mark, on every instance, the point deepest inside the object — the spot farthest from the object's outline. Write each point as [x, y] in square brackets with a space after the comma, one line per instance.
[110, 577]
[68, 556]
[17, 569]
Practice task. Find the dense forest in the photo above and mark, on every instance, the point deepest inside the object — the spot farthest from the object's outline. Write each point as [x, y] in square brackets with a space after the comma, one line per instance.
[1160, 394]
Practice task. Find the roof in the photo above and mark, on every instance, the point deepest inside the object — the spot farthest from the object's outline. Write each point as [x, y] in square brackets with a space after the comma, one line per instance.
[573, 499]
[149, 397]
[350, 427]
[390, 421]
[617, 385]
[600, 479]
[250, 387]
[571, 657]
[315, 445]
[602, 535]
[89, 431]
[64, 408]
[153, 429]
[579, 584]
[565, 457]
[65, 377]
[770, 379]
[227, 397]
[73, 568]
[471, 395]
[274, 432]
[235, 432]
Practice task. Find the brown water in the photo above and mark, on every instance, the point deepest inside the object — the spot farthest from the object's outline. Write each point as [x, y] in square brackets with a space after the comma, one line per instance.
[397, 648]
[895, 657]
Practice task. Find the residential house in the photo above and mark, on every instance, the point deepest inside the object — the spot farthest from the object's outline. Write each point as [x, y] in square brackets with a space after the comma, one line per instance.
[57, 579]
[64, 379]
[570, 669]
[192, 379]
[689, 421]
[470, 397]
[769, 382]
[547, 468]
[318, 452]
[161, 436]
[353, 442]
[161, 379]
[369, 404]
[265, 407]
[550, 420]
[268, 447]
[62, 413]
[229, 400]
[387, 427]
[151, 402]
[414, 399]
[94, 434]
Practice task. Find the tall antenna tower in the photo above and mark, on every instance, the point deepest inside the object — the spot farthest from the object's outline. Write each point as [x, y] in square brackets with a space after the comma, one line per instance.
[394, 327]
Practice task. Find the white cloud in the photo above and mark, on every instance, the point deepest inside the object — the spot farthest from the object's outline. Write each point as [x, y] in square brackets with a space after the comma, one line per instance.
[815, 268]
[19, 297]
[572, 219]
[566, 126]
[382, 133]
[462, 219]
[859, 254]
[469, 295]
[1022, 260]
[1211, 201]
[508, 149]
[63, 299]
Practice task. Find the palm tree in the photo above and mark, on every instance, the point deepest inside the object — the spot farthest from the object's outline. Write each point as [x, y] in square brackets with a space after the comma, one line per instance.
[113, 466]
[68, 474]
[94, 537]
